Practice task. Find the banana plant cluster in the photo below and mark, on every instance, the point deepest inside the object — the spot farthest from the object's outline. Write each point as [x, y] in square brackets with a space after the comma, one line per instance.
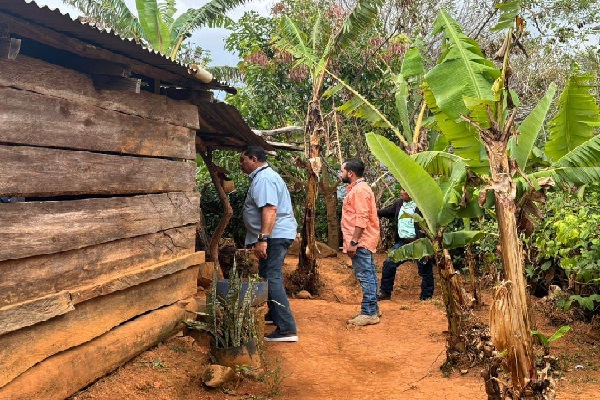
[462, 93]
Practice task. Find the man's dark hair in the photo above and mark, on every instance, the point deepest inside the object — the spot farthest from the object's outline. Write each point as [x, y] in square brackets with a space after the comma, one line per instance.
[255, 151]
[355, 165]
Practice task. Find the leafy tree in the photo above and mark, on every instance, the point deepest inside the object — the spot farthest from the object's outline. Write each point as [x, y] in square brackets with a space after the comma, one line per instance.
[315, 52]
[156, 25]
[478, 108]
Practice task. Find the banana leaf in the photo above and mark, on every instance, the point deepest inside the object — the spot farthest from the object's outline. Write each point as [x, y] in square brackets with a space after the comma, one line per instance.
[421, 187]
[454, 240]
[571, 126]
[412, 251]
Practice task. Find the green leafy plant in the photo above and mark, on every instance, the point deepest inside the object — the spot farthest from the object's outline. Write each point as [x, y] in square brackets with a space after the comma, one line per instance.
[587, 302]
[230, 320]
[546, 340]
[566, 245]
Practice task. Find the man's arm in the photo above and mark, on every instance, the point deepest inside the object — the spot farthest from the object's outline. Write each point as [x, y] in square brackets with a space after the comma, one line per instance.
[268, 217]
[388, 212]
[351, 250]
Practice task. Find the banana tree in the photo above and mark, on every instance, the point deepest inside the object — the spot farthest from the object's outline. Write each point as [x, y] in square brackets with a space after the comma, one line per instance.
[308, 50]
[441, 202]
[475, 110]
[156, 25]
[415, 173]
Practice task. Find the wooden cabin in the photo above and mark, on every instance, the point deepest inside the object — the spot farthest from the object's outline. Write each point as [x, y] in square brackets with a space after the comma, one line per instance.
[99, 205]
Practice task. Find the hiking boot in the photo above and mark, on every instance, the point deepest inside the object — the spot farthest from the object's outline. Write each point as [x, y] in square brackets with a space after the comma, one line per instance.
[277, 336]
[362, 320]
[379, 314]
[384, 296]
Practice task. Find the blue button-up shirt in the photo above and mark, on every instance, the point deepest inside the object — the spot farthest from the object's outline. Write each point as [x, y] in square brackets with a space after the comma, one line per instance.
[268, 188]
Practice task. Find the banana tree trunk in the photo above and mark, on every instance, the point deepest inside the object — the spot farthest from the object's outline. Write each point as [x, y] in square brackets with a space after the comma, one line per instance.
[454, 301]
[306, 276]
[510, 322]
[331, 201]
[470, 262]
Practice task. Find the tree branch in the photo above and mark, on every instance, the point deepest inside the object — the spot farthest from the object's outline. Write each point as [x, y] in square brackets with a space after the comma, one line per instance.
[273, 132]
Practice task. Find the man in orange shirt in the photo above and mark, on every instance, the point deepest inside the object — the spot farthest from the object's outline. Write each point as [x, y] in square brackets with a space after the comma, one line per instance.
[360, 229]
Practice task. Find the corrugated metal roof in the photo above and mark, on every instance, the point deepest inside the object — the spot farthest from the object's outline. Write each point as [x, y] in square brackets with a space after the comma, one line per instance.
[55, 20]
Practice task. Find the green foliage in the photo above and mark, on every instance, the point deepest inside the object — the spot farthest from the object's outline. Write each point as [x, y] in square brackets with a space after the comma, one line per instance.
[155, 24]
[573, 124]
[569, 236]
[213, 211]
[565, 246]
[586, 302]
[546, 340]
[421, 187]
[462, 70]
[530, 128]
[230, 320]
[413, 250]
[454, 240]
[509, 12]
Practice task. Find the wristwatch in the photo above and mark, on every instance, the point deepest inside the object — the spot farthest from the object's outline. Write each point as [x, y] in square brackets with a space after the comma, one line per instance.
[262, 237]
[353, 243]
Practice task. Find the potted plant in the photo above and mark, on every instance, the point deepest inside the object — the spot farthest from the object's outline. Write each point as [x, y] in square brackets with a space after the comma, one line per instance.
[233, 320]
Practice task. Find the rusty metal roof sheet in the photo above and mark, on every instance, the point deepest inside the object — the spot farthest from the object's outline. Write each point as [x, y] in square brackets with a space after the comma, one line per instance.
[55, 20]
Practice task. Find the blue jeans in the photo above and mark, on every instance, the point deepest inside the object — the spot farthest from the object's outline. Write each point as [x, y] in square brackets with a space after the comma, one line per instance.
[424, 265]
[364, 270]
[271, 270]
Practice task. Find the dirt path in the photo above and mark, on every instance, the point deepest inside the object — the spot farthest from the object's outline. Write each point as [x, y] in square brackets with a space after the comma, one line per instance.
[399, 358]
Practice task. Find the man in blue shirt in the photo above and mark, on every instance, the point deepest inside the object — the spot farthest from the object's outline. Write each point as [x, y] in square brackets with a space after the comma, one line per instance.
[270, 229]
[406, 232]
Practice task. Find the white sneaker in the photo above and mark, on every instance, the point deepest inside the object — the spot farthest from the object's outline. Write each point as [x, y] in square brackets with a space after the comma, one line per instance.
[275, 336]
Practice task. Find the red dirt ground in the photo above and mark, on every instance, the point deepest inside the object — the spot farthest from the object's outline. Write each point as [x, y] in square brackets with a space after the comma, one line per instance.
[399, 358]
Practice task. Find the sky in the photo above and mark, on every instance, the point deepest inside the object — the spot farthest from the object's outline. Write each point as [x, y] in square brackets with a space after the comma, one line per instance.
[212, 39]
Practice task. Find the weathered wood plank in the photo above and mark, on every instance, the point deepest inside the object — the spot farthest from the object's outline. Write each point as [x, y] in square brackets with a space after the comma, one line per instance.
[68, 124]
[32, 312]
[38, 172]
[61, 271]
[34, 228]
[53, 80]
[134, 278]
[28, 313]
[57, 336]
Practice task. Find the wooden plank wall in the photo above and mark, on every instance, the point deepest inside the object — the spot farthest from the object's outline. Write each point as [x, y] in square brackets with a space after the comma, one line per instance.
[109, 218]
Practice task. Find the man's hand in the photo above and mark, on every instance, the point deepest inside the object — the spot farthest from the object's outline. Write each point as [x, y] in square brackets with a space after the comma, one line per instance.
[351, 251]
[260, 250]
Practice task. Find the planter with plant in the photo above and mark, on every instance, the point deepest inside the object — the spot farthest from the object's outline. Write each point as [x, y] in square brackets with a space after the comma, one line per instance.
[234, 320]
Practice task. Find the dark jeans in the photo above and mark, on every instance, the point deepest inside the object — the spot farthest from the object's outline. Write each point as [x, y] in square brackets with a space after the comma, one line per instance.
[424, 265]
[271, 270]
